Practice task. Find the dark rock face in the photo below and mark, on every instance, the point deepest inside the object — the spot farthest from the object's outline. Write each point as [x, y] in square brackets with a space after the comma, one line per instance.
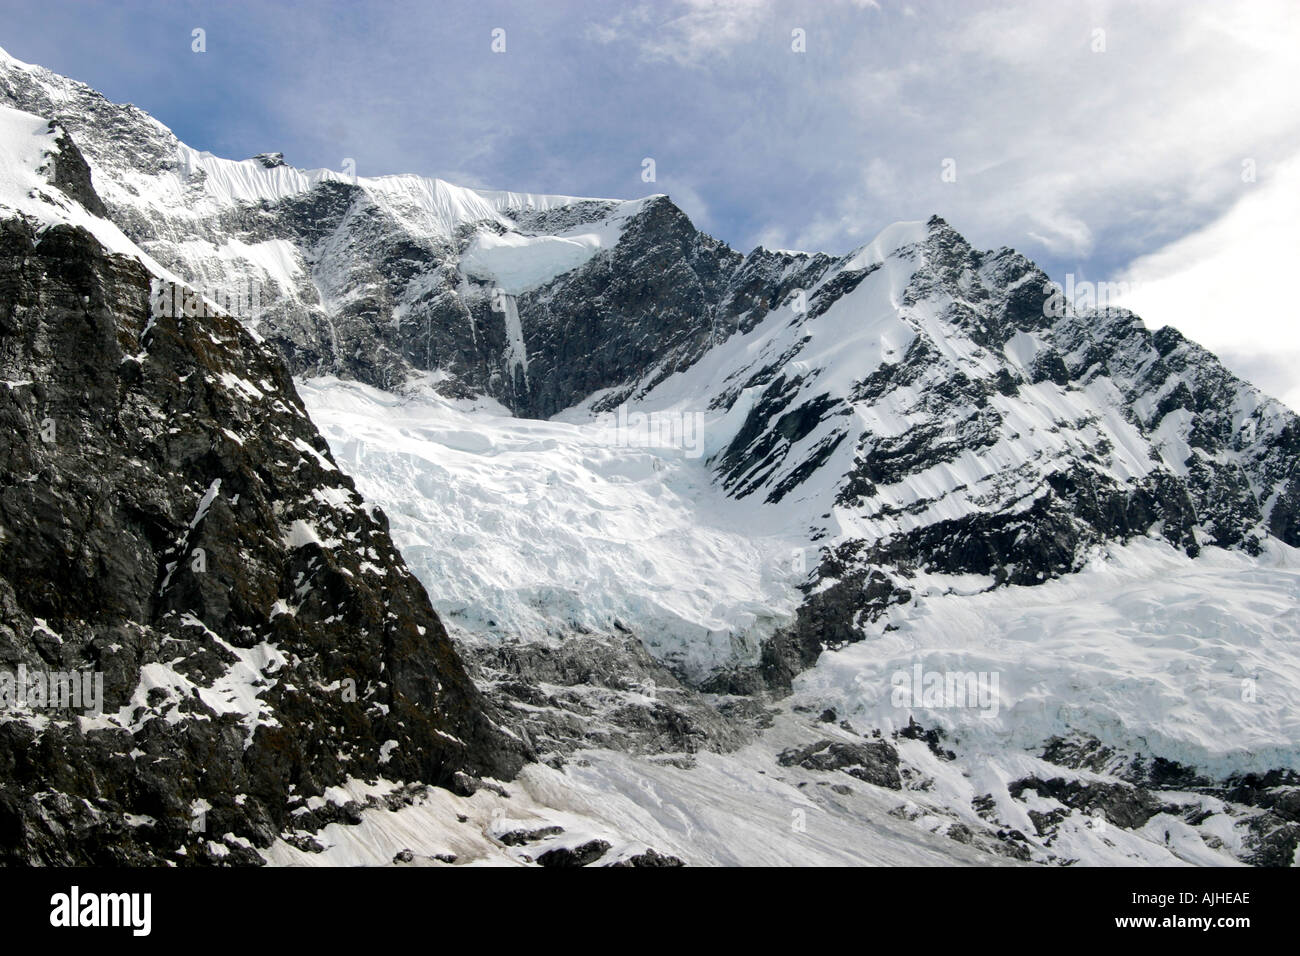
[597, 692]
[72, 175]
[520, 837]
[1122, 805]
[171, 519]
[933, 738]
[650, 858]
[650, 302]
[582, 855]
[873, 762]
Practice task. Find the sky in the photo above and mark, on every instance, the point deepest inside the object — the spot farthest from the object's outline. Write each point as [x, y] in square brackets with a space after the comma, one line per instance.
[1155, 144]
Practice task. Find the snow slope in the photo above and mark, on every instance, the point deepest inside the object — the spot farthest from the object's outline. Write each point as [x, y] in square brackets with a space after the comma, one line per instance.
[727, 810]
[745, 809]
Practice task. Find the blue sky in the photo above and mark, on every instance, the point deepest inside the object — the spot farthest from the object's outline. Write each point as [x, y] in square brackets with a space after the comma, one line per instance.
[1106, 140]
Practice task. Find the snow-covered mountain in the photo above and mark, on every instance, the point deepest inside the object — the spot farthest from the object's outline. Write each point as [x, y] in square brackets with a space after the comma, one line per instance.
[695, 516]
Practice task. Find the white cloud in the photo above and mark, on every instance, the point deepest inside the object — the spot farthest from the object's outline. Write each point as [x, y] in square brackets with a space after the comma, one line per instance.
[687, 32]
[1226, 286]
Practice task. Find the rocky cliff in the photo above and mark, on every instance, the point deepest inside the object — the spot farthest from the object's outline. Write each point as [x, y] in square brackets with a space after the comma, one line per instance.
[171, 521]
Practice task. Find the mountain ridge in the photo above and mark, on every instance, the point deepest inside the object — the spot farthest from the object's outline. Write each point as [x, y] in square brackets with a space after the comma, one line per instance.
[891, 439]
